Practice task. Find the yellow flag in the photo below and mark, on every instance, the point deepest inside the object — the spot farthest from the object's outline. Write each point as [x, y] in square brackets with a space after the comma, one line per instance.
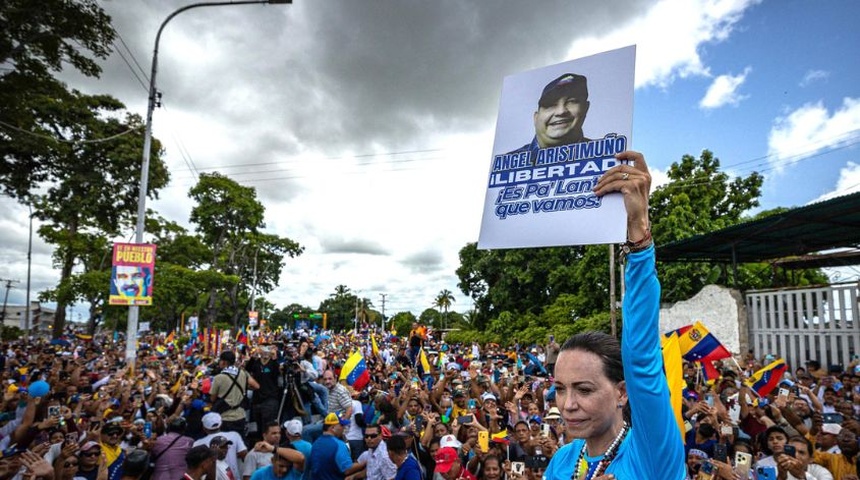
[674, 376]
[424, 363]
[374, 348]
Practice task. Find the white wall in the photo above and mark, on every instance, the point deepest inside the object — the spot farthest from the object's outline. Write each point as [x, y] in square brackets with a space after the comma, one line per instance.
[721, 311]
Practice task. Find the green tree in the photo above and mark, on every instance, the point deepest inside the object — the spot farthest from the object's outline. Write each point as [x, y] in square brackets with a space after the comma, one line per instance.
[340, 307]
[38, 39]
[91, 188]
[443, 301]
[701, 199]
[402, 322]
[230, 221]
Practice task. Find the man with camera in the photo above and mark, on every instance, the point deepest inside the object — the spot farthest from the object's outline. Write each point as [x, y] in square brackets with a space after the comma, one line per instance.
[228, 393]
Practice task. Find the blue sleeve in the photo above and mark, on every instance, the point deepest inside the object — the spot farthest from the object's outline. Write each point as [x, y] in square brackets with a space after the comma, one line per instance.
[657, 443]
[342, 458]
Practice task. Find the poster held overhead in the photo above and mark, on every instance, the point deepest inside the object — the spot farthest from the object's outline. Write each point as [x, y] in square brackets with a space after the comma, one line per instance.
[577, 115]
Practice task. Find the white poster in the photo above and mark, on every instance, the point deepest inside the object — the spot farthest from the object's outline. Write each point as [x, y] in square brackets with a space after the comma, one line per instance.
[558, 130]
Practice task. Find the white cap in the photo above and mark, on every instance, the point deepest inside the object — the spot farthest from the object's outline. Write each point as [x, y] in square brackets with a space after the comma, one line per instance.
[831, 428]
[553, 414]
[211, 421]
[449, 441]
[293, 427]
[488, 396]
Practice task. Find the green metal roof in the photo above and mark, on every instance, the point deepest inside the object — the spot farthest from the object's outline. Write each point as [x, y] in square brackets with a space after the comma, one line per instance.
[833, 223]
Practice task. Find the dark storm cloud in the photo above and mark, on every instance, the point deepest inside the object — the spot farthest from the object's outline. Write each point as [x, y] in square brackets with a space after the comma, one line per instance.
[424, 262]
[327, 75]
[352, 245]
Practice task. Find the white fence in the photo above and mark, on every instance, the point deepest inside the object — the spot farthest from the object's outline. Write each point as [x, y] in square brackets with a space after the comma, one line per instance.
[805, 324]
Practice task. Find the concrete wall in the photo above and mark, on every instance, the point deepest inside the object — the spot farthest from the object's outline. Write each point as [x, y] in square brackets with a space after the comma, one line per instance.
[721, 310]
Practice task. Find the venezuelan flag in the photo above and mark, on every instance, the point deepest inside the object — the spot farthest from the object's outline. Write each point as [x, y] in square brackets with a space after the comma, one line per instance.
[766, 379]
[699, 345]
[355, 371]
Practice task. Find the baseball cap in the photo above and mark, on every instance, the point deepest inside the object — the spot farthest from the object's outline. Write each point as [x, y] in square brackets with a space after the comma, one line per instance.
[553, 414]
[445, 459]
[211, 421]
[449, 441]
[219, 441]
[487, 396]
[570, 84]
[831, 428]
[459, 393]
[89, 445]
[293, 427]
[228, 357]
[334, 419]
[112, 428]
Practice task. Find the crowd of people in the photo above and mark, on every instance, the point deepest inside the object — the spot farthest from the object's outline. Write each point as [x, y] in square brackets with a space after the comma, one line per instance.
[293, 404]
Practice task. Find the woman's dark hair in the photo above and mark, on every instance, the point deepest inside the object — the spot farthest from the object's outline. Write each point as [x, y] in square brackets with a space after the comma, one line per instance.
[608, 349]
[604, 346]
[484, 463]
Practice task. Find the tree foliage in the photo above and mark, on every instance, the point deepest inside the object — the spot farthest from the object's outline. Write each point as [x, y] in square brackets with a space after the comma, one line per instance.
[529, 293]
[701, 199]
[229, 219]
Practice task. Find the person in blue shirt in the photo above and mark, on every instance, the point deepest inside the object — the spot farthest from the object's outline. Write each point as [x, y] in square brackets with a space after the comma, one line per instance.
[330, 458]
[614, 397]
[407, 466]
[279, 470]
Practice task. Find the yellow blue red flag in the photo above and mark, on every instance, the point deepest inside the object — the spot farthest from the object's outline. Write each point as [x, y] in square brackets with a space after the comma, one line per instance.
[355, 371]
[766, 379]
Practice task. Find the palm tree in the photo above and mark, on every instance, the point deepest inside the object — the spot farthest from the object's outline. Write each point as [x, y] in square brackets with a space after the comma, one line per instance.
[340, 291]
[444, 301]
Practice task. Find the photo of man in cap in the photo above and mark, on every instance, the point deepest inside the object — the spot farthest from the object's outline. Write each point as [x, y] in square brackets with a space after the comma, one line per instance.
[560, 114]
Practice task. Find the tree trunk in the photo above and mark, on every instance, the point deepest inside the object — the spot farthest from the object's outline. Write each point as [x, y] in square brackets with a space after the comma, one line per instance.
[65, 274]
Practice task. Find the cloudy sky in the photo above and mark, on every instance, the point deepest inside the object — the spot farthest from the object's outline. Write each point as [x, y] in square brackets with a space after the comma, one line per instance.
[366, 126]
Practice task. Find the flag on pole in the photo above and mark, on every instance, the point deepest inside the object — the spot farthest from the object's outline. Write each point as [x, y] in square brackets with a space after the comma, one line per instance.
[674, 370]
[374, 348]
[766, 379]
[355, 371]
[699, 345]
[425, 365]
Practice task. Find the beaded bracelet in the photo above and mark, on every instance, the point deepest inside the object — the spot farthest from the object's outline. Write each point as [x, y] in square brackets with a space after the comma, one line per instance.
[633, 247]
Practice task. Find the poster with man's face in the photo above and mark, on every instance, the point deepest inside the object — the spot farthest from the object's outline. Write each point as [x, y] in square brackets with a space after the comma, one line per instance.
[559, 129]
[132, 274]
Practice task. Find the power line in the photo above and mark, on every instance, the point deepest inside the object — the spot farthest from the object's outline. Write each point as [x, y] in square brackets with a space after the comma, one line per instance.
[142, 71]
[63, 140]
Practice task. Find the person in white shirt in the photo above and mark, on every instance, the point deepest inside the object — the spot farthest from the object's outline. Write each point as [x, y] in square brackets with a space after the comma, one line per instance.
[235, 451]
[377, 463]
[220, 444]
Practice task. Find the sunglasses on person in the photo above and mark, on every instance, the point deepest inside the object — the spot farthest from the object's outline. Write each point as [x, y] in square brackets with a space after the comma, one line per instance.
[368, 435]
[91, 454]
[70, 464]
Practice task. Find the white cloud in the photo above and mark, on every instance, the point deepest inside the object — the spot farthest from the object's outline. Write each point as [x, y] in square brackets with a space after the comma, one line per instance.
[724, 91]
[811, 129]
[849, 182]
[813, 76]
[287, 97]
[669, 37]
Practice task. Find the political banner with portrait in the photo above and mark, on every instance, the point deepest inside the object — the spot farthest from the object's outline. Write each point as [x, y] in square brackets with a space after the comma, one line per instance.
[132, 274]
[558, 130]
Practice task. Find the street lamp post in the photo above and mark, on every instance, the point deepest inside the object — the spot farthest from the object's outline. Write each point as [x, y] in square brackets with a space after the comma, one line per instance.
[134, 310]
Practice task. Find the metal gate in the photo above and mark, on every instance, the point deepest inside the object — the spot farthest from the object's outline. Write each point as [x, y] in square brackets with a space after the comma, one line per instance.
[800, 324]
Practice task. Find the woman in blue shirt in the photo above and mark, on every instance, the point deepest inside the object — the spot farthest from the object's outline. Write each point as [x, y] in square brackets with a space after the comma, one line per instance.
[615, 398]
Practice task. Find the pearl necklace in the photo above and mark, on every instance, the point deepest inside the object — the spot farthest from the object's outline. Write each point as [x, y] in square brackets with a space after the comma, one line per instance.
[608, 456]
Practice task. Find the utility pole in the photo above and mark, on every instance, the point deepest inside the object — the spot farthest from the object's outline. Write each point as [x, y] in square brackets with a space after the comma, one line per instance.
[9, 283]
[383, 295]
